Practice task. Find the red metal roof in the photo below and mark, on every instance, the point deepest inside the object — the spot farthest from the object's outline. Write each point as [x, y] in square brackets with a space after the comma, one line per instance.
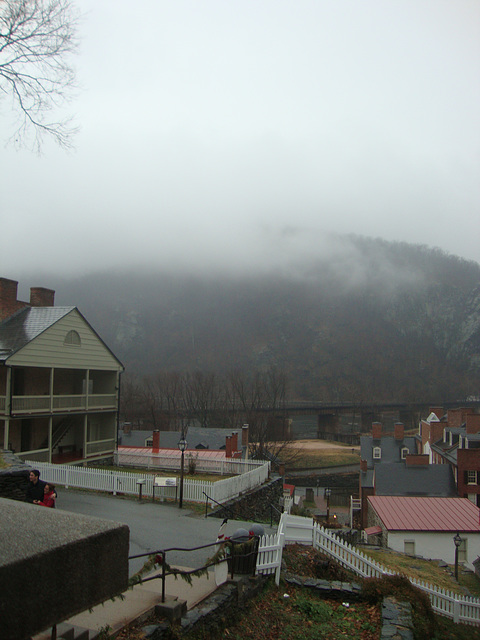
[209, 454]
[372, 531]
[289, 487]
[426, 514]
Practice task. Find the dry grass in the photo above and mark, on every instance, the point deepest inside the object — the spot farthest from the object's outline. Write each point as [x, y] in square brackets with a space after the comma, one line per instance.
[319, 458]
[204, 477]
[425, 570]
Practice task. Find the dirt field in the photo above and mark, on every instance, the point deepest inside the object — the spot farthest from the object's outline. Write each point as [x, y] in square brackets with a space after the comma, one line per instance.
[318, 445]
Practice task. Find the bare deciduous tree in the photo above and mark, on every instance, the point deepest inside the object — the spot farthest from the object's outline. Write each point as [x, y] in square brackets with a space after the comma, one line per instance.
[37, 38]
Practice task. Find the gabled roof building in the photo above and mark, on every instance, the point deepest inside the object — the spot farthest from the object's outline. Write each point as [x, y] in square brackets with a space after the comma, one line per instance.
[389, 463]
[453, 438]
[421, 526]
[59, 382]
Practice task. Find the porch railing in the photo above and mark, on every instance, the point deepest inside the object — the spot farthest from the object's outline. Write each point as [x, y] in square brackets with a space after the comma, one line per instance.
[101, 446]
[60, 403]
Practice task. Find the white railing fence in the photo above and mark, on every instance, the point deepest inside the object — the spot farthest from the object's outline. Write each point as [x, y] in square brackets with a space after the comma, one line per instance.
[306, 531]
[166, 461]
[127, 482]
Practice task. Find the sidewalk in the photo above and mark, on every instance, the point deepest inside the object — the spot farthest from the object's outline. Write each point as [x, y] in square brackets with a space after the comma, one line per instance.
[342, 513]
[139, 601]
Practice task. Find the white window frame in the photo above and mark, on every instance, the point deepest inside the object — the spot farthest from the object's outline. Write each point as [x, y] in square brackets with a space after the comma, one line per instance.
[404, 452]
[471, 476]
[377, 453]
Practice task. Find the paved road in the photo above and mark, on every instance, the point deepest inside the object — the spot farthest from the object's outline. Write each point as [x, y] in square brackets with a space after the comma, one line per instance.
[152, 526]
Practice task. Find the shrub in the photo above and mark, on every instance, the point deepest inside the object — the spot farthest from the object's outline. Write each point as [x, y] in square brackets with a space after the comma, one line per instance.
[192, 464]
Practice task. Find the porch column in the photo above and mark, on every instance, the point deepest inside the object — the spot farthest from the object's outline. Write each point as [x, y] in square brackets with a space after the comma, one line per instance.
[51, 389]
[50, 438]
[8, 407]
[85, 435]
[87, 387]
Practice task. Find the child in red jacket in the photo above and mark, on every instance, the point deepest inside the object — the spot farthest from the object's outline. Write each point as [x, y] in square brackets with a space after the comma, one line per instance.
[49, 495]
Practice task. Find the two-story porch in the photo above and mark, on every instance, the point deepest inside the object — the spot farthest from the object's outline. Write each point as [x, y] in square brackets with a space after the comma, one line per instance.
[59, 387]
[58, 415]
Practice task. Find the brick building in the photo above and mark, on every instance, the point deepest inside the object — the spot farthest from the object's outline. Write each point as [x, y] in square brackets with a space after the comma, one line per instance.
[453, 438]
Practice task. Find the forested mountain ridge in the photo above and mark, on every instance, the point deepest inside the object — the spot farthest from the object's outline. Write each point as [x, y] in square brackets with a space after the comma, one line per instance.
[372, 321]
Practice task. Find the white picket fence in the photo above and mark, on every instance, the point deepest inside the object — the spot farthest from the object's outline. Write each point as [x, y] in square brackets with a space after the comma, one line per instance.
[306, 531]
[171, 461]
[128, 482]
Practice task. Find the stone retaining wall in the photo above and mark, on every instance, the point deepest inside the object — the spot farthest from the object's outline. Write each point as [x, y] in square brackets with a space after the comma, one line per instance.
[14, 477]
[255, 505]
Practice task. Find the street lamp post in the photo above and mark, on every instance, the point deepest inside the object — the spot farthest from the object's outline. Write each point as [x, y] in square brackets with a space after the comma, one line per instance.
[182, 445]
[328, 493]
[457, 541]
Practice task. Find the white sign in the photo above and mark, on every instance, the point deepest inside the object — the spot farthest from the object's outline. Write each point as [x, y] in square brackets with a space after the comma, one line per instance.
[165, 482]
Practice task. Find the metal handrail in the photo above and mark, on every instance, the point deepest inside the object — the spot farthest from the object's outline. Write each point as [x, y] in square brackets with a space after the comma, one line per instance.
[207, 498]
[235, 515]
[163, 553]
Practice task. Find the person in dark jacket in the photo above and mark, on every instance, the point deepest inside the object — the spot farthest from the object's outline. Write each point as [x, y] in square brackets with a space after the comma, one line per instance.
[36, 487]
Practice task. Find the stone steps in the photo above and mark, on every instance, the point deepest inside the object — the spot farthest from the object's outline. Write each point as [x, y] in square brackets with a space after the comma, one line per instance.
[67, 631]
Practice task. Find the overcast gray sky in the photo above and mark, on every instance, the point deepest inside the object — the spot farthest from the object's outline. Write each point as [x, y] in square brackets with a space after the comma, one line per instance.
[235, 133]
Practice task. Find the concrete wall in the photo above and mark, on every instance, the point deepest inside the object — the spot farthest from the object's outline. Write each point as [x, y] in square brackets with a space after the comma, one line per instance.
[54, 564]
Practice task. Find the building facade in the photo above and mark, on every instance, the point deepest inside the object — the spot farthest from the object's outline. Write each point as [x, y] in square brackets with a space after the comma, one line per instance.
[453, 438]
[59, 382]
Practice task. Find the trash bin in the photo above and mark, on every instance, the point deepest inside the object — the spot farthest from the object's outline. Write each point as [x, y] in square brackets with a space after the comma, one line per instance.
[243, 553]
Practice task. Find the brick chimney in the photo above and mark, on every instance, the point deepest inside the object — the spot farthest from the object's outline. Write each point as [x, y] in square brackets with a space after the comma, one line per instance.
[473, 423]
[8, 299]
[417, 459]
[41, 297]
[363, 465]
[245, 430]
[376, 430]
[399, 431]
[235, 452]
[436, 432]
[228, 447]
[156, 441]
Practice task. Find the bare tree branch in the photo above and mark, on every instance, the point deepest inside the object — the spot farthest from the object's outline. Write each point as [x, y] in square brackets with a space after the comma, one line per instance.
[37, 39]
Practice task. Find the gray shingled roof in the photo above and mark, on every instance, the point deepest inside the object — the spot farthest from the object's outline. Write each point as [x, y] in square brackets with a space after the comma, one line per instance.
[390, 447]
[25, 325]
[433, 480]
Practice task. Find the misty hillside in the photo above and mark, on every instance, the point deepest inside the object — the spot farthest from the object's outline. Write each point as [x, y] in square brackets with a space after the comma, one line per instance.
[377, 321]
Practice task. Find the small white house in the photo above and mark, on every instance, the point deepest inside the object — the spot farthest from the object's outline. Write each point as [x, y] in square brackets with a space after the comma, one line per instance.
[426, 526]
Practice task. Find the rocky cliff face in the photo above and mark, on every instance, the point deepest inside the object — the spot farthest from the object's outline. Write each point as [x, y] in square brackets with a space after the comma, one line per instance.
[469, 332]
